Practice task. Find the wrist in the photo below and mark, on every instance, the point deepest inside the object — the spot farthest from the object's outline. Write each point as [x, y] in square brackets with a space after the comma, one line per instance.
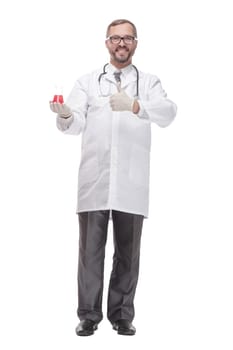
[65, 116]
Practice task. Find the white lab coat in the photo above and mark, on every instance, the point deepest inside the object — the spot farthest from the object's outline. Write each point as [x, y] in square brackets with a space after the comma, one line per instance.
[115, 153]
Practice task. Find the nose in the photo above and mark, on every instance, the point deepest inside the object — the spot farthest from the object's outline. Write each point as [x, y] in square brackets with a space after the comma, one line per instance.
[122, 42]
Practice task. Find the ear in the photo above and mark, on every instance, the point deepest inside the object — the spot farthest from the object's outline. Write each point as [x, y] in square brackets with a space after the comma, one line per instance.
[106, 43]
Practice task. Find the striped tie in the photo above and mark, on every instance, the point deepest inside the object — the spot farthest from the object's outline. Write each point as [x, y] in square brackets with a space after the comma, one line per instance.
[117, 76]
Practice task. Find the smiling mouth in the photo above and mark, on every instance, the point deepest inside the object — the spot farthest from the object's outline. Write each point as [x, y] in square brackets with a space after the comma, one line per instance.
[122, 49]
[122, 53]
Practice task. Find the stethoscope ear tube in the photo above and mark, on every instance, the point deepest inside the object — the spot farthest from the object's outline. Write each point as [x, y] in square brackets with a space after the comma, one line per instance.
[104, 72]
[137, 87]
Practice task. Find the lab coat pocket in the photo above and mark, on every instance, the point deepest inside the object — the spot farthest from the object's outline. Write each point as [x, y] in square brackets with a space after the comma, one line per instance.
[139, 166]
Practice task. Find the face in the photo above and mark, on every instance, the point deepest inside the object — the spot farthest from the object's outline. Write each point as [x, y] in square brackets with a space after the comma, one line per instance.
[121, 53]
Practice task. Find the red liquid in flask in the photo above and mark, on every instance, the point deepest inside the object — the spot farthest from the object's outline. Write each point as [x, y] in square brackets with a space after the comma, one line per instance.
[58, 99]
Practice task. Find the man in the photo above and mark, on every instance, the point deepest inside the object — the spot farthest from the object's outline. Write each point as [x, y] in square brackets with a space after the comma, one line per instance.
[113, 108]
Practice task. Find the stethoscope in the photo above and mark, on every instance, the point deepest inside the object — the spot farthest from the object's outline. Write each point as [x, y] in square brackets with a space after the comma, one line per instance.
[104, 72]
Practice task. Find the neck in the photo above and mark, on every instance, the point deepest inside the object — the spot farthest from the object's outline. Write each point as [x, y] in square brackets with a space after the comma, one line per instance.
[119, 65]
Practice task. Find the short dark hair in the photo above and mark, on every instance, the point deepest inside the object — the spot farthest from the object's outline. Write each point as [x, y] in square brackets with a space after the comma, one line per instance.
[121, 21]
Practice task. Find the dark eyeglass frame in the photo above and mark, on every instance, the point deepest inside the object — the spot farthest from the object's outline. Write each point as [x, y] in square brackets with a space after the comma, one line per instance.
[127, 39]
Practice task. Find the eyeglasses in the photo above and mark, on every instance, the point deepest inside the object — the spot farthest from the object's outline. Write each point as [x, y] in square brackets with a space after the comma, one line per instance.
[116, 39]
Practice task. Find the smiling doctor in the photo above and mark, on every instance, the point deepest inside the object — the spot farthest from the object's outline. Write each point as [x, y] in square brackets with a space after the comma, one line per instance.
[113, 109]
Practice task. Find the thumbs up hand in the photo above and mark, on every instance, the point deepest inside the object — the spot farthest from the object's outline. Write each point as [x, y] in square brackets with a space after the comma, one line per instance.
[121, 101]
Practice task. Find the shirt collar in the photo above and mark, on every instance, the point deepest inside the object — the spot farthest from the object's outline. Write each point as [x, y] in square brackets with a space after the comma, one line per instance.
[128, 73]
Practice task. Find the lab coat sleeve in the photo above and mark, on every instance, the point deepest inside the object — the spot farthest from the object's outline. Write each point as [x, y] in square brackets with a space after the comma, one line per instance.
[77, 101]
[155, 106]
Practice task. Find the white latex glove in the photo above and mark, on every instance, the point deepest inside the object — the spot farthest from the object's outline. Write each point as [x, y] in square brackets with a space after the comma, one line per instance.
[121, 101]
[60, 108]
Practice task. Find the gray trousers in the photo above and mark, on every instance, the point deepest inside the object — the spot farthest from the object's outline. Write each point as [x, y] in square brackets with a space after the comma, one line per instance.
[93, 227]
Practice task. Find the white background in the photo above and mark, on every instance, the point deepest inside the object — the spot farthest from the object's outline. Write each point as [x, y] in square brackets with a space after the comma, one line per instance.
[184, 296]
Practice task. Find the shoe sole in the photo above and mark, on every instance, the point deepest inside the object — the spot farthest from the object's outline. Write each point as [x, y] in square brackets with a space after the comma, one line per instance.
[84, 334]
[122, 331]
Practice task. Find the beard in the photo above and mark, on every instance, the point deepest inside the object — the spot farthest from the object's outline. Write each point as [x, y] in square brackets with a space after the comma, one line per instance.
[121, 58]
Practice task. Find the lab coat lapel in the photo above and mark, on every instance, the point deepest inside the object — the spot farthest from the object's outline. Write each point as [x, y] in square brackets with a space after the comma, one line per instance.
[128, 76]
[109, 76]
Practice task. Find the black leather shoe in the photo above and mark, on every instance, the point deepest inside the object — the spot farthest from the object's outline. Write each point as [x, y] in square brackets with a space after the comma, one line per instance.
[124, 327]
[86, 327]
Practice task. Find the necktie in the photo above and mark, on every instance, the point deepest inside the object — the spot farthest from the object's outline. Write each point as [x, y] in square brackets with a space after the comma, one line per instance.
[117, 76]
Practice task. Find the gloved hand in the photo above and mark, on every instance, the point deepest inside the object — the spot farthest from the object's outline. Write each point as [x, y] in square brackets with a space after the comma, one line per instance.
[121, 101]
[60, 108]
